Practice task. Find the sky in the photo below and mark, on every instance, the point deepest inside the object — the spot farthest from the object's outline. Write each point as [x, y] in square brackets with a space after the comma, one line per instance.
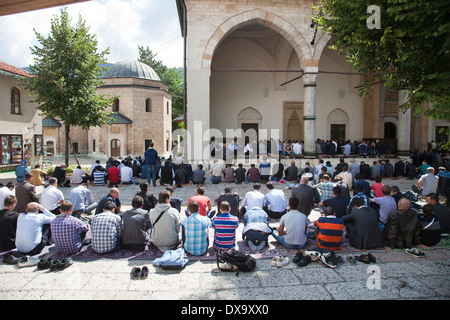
[121, 25]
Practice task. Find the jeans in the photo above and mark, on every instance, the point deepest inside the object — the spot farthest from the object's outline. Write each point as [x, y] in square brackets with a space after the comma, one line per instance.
[215, 179]
[281, 240]
[152, 172]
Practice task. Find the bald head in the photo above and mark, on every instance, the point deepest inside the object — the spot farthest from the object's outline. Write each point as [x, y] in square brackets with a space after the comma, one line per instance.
[304, 179]
[404, 204]
[32, 207]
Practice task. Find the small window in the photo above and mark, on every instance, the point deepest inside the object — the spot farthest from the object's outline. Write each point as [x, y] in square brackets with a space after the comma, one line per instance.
[115, 107]
[38, 145]
[93, 145]
[148, 105]
[168, 110]
[15, 100]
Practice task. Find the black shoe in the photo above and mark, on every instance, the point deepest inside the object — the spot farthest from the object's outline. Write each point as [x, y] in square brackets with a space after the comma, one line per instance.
[144, 272]
[136, 273]
[297, 257]
[10, 259]
[363, 258]
[372, 258]
[304, 261]
[64, 263]
[44, 264]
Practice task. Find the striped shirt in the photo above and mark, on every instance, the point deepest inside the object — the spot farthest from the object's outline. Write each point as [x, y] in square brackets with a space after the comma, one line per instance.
[225, 225]
[66, 233]
[330, 233]
[99, 178]
[196, 233]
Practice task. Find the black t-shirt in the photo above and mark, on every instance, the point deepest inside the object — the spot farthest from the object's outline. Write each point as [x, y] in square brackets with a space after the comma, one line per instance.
[8, 226]
[338, 204]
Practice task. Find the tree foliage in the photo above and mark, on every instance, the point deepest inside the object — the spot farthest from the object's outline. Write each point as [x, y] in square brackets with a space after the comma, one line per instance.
[66, 73]
[173, 77]
[409, 52]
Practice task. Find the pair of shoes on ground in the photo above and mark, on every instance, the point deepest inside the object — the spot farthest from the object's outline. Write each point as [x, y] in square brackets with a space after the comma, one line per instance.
[54, 264]
[301, 259]
[364, 258]
[139, 273]
[21, 261]
[9, 258]
[327, 258]
[415, 253]
[279, 261]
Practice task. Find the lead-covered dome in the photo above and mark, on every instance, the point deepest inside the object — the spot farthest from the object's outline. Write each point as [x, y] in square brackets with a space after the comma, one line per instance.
[131, 69]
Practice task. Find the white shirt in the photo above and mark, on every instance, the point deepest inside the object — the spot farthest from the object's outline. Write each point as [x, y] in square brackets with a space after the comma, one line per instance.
[77, 175]
[125, 174]
[297, 148]
[216, 169]
[50, 197]
[253, 199]
[4, 192]
[29, 229]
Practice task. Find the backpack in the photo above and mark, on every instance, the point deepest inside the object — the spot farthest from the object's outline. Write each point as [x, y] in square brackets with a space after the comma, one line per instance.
[240, 261]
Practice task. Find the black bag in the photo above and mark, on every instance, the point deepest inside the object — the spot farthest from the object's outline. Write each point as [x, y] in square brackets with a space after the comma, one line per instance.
[243, 262]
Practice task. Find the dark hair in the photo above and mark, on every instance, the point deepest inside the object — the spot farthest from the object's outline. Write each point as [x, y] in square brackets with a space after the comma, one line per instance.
[328, 211]
[10, 185]
[428, 209]
[137, 202]
[337, 191]
[163, 196]
[293, 203]
[378, 179]
[256, 186]
[269, 185]
[10, 200]
[28, 175]
[386, 190]
[52, 180]
[433, 196]
[358, 188]
[193, 206]
[143, 186]
[109, 206]
[201, 190]
[170, 189]
[358, 202]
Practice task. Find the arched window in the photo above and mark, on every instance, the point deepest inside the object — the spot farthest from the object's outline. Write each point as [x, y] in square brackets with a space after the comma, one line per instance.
[15, 100]
[115, 107]
[148, 105]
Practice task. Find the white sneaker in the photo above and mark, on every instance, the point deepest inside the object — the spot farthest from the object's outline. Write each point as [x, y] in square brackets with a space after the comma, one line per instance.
[282, 261]
[274, 262]
[29, 262]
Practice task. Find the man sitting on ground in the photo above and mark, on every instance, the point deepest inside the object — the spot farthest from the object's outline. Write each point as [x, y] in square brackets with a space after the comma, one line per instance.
[166, 223]
[233, 199]
[195, 231]
[203, 202]
[441, 212]
[82, 200]
[136, 226]
[149, 199]
[112, 196]
[107, 229]
[33, 229]
[293, 228]
[68, 232]
[402, 227]
[252, 199]
[225, 226]
[331, 230]
[8, 223]
[276, 200]
[52, 197]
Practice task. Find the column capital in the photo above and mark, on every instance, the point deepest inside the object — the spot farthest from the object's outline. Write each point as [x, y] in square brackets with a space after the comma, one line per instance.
[310, 76]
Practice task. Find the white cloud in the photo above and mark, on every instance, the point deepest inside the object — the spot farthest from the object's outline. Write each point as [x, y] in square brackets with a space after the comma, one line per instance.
[121, 25]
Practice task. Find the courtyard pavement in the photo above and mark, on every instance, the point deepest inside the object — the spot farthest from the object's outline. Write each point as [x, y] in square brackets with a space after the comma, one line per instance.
[395, 275]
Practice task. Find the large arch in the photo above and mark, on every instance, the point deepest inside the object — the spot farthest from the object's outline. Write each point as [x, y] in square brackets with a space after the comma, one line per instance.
[265, 18]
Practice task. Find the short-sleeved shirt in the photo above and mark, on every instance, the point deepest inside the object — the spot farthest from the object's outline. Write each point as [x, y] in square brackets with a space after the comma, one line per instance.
[106, 228]
[295, 224]
[196, 232]
[66, 233]
[377, 187]
[330, 233]
[387, 204]
[225, 225]
[113, 175]
[203, 203]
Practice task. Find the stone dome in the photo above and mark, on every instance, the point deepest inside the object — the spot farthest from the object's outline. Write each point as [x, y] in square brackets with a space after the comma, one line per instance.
[131, 69]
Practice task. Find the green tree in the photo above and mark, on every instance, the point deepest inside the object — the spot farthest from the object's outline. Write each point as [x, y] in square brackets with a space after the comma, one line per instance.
[173, 77]
[410, 51]
[66, 73]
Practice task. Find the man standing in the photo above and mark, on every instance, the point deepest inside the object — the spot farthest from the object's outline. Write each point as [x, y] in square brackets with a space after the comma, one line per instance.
[67, 231]
[21, 170]
[151, 160]
[25, 193]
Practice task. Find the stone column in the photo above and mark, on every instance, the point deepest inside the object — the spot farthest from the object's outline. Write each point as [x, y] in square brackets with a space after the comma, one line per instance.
[404, 126]
[309, 111]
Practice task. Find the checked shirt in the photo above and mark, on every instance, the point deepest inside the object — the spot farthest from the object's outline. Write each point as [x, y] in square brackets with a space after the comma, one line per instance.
[196, 232]
[66, 231]
[106, 228]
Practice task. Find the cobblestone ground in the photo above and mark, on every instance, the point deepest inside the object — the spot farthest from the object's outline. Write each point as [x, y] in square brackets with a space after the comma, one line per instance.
[396, 275]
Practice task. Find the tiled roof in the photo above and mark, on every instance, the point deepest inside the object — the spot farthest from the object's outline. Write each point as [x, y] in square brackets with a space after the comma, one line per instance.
[14, 70]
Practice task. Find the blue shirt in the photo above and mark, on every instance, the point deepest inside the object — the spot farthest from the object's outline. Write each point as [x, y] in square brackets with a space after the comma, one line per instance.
[20, 172]
[151, 156]
[225, 225]
[79, 196]
[196, 233]
[276, 199]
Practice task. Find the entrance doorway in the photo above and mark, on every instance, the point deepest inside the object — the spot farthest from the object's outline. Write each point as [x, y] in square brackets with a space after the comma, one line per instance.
[253, 133]
[337, 132]
[115, 148]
